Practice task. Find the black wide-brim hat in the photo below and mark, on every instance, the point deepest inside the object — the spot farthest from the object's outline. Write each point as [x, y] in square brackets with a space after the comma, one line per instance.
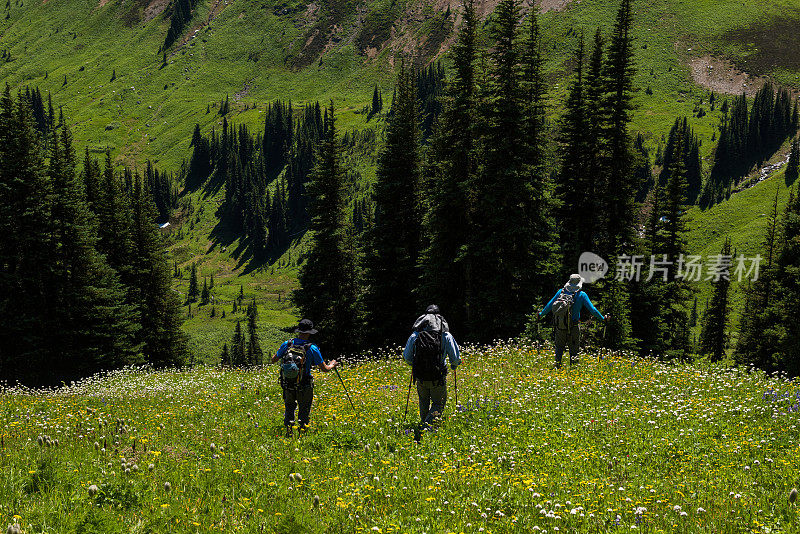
[306, 327]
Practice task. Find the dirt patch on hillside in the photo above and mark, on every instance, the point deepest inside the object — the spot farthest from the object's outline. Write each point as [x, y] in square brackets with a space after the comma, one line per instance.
[484, 8]
[722, 76]
[554, 5]
[153, 9]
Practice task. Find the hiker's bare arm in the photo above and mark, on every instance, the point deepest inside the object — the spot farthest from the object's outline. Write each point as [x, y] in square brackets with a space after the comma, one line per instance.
[274, 359]
[325, 367]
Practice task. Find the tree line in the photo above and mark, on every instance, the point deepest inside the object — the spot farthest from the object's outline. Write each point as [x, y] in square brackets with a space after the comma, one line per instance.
[477, 221]
[474, 220]
[748, 137]
[84, 281]
[264, 175]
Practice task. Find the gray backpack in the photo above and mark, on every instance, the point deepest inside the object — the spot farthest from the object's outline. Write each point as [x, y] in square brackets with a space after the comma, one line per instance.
[562, 309]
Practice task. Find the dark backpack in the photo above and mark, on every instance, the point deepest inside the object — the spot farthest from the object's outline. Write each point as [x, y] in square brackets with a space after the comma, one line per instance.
[562, 309]
[428, 361]
[293, 364]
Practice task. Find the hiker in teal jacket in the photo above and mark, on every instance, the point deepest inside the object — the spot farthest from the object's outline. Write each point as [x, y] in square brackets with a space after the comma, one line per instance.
[569, 335]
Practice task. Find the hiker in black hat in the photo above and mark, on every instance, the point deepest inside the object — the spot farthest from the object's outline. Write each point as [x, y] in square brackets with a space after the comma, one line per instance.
[427, 351]
[566, 306]
[297, 357]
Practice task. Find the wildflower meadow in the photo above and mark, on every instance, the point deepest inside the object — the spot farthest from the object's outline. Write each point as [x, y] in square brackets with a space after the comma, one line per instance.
[616, 443]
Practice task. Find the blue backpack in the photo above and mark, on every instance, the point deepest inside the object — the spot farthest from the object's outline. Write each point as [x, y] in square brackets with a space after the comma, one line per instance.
[293, 363]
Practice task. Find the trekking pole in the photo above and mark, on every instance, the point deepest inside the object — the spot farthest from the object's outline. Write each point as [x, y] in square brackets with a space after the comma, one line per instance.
[408, 397]
[455, 381]
[345, 388]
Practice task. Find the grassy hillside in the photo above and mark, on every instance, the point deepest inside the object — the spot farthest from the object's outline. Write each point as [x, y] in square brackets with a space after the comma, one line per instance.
[612, 444]
[743, 218]
[255, 51]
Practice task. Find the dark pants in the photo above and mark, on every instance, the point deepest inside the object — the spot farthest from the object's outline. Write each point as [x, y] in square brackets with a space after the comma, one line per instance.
[567, 338]
[292, 398]
[432, 398]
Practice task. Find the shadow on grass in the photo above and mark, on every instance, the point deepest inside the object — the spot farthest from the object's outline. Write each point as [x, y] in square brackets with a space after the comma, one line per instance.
[246, 258]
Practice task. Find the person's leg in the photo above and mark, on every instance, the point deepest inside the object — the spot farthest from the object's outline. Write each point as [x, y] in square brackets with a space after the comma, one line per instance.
[305, 397]
[439, 399]
[560, 341]
[424, 393]
[289, 404]
[574, 344]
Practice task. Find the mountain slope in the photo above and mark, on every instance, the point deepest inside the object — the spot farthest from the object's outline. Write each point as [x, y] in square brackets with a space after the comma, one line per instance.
[256, 50]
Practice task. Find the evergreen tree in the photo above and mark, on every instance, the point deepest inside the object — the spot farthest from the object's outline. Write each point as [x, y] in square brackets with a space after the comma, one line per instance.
[164, 343]
[237, 346]
[205, 295]
[225, 359]
[392, 242]
[714, 333]
[539, 261]
[753, 347]
[194, 291]
[575, 182]
[449, 167]
[618, 73]
[255, 355]
[377, 101]
[511, 193]
[96, 327]
[793, 165]
[327, 293]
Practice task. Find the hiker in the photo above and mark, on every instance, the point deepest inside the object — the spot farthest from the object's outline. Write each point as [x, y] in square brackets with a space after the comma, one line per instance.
[566, 305]
[297, 357]
[427, 351]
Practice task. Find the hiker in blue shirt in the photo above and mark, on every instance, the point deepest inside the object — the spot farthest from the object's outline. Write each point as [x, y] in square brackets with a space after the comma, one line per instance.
[427, 351]
[298, 356]
[566, 305]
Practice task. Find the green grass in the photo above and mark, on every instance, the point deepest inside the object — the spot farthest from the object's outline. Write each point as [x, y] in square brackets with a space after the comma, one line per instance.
[257, 51]
[743, 218]
[612, 444]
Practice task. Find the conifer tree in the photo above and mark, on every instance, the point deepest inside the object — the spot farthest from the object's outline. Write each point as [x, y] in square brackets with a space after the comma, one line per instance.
[539, 260]
[377, 101]
[753, 347]
[193, 291]
[96, 327]
[714, 333]
[255, 355]
[164, 343]
[575, 183]
[793, 165]
[392, 242]
[327, 293]
[618, 73]
[449, 168]
[237, 346]
[506, 191]
[205, 295]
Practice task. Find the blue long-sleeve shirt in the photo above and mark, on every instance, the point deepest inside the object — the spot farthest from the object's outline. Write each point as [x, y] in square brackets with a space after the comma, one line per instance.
[581, 301]
[449, 350]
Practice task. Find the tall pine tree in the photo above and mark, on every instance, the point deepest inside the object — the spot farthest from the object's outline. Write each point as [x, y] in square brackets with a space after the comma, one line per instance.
[393, 240]
[327, 290]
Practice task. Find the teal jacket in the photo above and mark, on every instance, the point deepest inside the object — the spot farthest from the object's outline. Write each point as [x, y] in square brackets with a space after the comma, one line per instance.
[582, 301]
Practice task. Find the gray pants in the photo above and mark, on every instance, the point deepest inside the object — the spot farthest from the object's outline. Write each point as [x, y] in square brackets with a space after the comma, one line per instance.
[292, 398]
[567, 339]
[432, 398]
